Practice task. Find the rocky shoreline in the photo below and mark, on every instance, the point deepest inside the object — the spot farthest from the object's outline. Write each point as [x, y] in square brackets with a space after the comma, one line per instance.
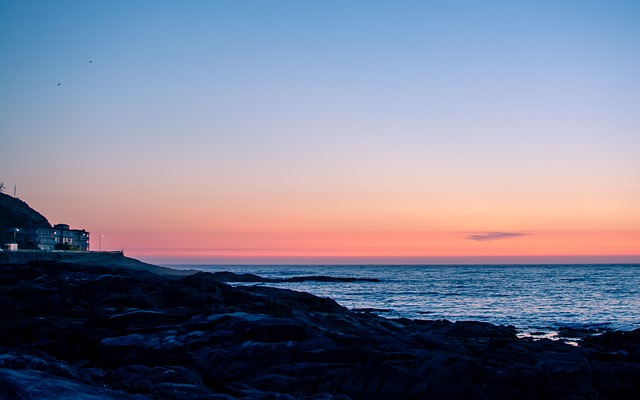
[226, 276]
[73, 330]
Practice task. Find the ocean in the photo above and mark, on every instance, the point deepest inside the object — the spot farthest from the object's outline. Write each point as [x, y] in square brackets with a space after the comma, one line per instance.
[539, 300]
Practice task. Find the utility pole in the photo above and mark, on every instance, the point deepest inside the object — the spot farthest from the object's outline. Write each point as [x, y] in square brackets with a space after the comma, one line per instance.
[15, 187]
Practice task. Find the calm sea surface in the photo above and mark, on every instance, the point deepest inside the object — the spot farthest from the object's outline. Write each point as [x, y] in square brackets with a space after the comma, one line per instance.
[536, 299]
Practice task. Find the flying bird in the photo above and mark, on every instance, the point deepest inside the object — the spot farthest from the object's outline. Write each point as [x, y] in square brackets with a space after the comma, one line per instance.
[90, 61]
[59, 83]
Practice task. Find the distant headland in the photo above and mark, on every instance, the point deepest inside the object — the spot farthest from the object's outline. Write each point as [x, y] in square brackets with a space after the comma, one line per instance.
[28, 237]
[23, 228]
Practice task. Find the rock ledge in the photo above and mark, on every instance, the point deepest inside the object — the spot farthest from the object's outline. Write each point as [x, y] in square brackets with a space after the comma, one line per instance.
[77, 331]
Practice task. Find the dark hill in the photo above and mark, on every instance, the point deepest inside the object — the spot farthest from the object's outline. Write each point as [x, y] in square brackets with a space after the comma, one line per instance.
[15, 213]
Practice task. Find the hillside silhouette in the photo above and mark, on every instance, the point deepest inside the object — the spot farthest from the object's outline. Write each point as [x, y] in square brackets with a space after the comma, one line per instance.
[15, 213]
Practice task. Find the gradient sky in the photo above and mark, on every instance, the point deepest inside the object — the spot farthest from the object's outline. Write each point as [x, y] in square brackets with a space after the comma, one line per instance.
[328, 131]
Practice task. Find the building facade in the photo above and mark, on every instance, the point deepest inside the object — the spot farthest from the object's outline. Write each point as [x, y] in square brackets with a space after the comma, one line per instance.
[41, 237]
[75, 239]
[61, 237]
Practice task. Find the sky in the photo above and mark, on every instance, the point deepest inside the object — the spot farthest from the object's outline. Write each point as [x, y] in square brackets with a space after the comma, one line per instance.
[234, 132]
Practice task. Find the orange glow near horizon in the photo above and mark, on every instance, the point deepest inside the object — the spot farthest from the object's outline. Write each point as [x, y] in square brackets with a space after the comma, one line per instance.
[261, 247]
[367, 225]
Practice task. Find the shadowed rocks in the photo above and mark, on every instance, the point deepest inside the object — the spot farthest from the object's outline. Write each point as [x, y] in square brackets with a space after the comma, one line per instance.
[85, 331]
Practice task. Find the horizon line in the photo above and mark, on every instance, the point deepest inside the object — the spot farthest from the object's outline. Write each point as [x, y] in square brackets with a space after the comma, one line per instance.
[354, 260]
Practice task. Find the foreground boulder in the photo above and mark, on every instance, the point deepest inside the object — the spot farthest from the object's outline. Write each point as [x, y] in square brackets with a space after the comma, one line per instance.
[86, 332]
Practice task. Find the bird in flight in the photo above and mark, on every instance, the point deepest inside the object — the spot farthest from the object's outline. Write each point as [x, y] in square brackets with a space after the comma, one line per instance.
[90, 61]
[59, 83]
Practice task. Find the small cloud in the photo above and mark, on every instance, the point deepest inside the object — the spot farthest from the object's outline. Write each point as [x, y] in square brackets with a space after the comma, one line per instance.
[494, 235]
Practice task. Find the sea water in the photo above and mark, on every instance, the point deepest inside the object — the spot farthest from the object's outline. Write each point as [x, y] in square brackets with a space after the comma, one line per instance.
[539, 300]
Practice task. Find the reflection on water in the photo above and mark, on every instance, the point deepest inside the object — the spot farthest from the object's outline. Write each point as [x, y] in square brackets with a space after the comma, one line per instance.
[547, 299]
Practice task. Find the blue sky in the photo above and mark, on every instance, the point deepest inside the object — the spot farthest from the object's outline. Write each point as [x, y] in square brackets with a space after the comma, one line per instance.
[323, 116]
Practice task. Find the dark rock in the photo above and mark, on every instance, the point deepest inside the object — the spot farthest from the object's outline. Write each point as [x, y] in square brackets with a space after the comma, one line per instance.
[99, 331]
[277, 300]
[469, 329]
[371, 310]
[226, 276]
[33, 384]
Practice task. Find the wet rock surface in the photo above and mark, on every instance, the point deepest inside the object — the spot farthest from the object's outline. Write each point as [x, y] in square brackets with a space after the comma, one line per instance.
[73, 331]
